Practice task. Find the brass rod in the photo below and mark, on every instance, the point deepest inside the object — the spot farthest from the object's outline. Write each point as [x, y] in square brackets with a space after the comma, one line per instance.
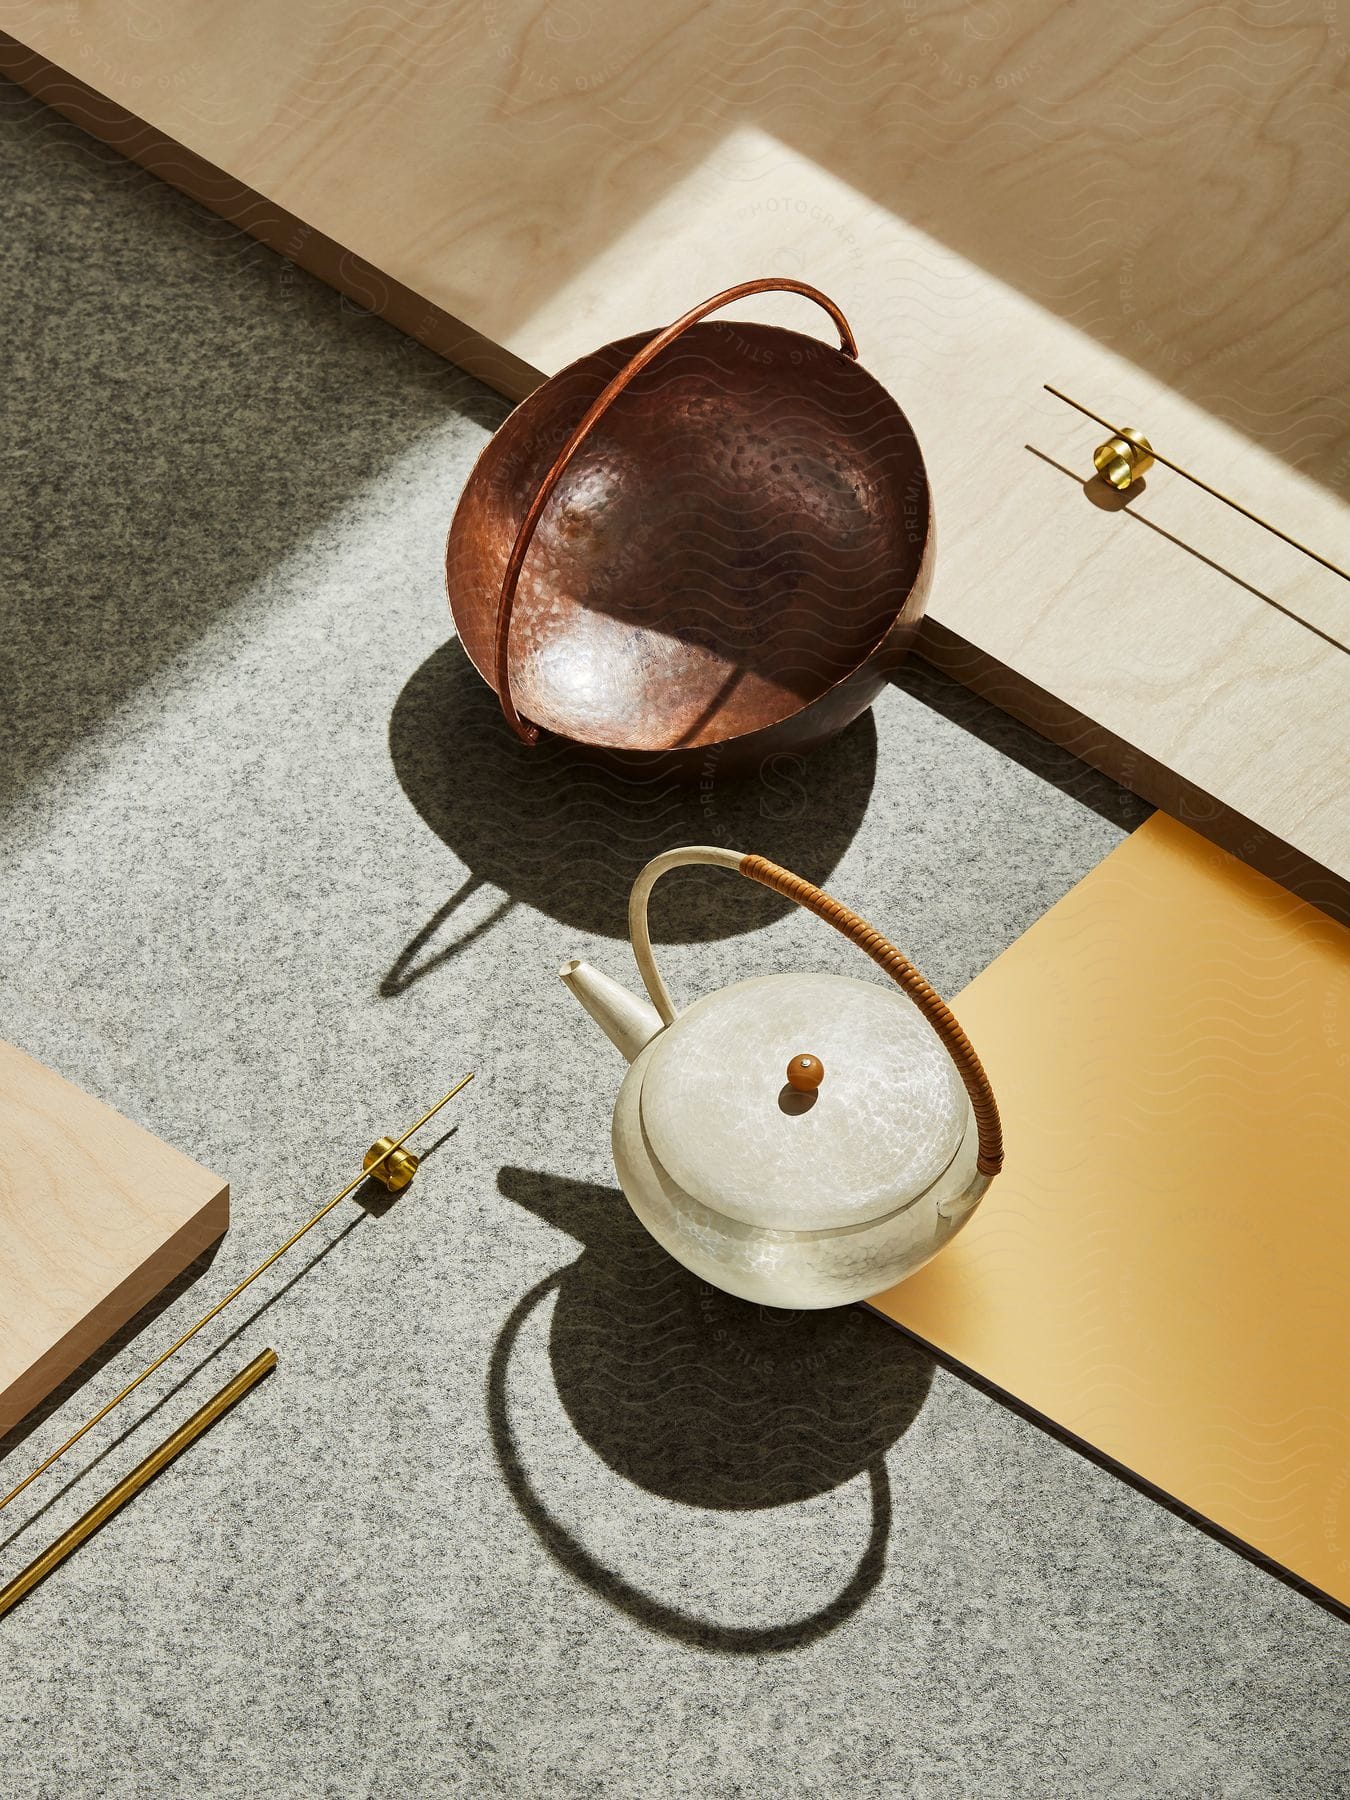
[1186, 475]
[145, 1471]
[233, 1294]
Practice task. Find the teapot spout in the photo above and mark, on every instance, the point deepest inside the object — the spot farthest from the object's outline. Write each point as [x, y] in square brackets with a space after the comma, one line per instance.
[628, 1023]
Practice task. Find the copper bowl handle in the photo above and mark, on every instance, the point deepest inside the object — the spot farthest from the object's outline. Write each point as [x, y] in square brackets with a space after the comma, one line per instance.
[898, 966]
[526, 731]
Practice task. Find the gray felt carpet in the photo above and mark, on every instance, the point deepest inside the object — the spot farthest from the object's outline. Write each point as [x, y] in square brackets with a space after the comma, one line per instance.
[524, 1510]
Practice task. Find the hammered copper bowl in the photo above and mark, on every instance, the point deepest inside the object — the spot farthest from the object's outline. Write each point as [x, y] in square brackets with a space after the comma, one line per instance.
[709, 543]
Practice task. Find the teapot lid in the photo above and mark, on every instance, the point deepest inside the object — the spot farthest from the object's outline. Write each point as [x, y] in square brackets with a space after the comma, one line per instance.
[886, 1119]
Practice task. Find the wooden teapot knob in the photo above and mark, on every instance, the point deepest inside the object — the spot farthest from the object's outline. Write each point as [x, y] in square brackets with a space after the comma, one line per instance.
[805, 1073]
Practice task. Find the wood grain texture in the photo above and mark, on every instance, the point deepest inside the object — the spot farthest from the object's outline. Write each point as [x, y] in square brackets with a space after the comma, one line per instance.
[1146, 209]
[97, 1216]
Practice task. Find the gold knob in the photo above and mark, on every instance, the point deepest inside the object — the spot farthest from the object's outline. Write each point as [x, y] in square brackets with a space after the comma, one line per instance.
[396, 1171]
[805, 1073]
[1122, 459]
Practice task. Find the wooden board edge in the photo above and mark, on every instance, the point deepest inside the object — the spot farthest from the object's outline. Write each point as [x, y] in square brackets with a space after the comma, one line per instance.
[419, 318]
[281, 231]
[85, 1339]
[1171, 793]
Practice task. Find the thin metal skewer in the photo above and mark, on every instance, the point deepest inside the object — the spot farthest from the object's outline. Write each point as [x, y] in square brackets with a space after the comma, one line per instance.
[372, 1163]
[1176, 468]
[145, 1471]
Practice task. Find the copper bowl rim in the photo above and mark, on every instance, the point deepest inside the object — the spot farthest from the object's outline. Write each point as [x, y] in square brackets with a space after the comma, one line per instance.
[708, 744]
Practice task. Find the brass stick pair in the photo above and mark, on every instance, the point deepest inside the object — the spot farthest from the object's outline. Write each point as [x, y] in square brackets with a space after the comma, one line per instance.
[386, 1162]
[116, 1498]
[1127, 455]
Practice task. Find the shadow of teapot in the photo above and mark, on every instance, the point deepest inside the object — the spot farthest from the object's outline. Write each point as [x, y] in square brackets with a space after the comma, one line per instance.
[702, 1399]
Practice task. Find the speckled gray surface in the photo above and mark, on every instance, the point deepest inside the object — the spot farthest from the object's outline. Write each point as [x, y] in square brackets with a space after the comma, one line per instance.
[523, 1510]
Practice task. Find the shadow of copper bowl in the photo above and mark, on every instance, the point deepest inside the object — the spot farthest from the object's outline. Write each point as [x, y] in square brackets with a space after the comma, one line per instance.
[705, 544]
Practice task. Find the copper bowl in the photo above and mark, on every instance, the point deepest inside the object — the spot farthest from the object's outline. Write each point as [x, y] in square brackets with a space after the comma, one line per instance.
[709, 543]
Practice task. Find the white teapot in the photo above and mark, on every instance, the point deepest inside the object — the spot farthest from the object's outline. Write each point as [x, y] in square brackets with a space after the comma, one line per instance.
[799, 1140]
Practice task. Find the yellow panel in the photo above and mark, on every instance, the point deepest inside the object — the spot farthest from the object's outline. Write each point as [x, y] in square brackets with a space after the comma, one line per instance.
[1163, 1267]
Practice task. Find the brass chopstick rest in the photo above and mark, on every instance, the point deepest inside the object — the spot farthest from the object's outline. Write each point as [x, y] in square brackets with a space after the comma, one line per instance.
[385, 1162]
[1127, 455]
[144, 1472]
[1123, 459]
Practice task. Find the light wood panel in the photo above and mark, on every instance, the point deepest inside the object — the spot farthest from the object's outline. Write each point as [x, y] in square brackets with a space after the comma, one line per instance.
[97, 1216]
[1161, 1268]
[1146, 208]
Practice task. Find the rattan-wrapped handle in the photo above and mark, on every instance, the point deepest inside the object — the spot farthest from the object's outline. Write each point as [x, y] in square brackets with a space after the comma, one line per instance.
[527, 732]
[882, 952]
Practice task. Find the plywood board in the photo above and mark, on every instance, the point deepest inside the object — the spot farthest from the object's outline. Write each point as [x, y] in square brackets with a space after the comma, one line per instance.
[97, 1216]
[1163, 1268]
[1145, 208]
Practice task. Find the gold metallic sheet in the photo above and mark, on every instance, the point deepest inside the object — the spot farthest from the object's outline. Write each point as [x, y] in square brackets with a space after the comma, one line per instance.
[1163, 1270]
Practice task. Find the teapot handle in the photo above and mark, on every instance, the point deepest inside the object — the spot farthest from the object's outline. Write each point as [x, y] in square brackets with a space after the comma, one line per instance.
[857, 931]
